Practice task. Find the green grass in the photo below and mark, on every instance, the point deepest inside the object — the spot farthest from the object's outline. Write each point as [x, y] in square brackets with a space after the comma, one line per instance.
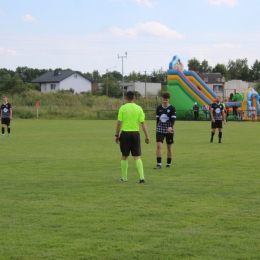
[59, 198]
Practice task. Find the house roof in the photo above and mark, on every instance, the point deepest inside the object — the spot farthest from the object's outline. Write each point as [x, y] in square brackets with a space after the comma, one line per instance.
[212, 77]
[56, 76]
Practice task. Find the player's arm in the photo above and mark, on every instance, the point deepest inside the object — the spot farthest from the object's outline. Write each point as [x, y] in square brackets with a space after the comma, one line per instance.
[211, 114]
[11, 113]
[118, 127]
[223, 116]
[145, 130]
[172, 120]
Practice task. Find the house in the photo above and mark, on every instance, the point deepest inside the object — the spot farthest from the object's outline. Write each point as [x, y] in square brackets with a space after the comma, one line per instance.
[215, 81]
[223, 89]
[64, 80]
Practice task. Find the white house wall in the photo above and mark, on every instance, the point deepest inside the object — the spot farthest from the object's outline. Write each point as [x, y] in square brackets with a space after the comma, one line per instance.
[79, 84]
[46, 87]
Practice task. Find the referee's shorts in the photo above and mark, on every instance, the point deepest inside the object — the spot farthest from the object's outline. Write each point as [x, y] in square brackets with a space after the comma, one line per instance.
[130, 142]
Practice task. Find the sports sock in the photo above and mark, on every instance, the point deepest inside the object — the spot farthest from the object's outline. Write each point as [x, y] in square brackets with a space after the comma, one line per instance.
[124, 166]
[9, 130]
[212, 135]
[159, 160]
[219, 135]
[140, 168]
[169, 160]
[3, 130]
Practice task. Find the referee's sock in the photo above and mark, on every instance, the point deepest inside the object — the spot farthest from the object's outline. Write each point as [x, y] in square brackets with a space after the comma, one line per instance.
[140, 168]
[124, 166]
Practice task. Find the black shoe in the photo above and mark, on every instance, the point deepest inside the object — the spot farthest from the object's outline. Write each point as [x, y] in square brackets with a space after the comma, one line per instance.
[142, 181]
[211, 140]
[168, 165]
[157, 167]
[121, 179]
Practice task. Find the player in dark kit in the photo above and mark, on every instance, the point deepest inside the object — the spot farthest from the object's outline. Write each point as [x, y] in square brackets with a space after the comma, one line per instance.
[165, 115]
[217, 116]
[6, 116]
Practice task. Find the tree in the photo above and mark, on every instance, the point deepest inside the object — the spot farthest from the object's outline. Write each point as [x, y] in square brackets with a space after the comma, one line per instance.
[194, 64]
[257, 87]
[204, 67]
[254, 72]
[238, 69]
[221, 68]
[114, 88]
[13, 85]
[96, 76]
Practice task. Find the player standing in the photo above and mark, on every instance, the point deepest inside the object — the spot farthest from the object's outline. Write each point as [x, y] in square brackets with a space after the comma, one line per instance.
[217, 116]
[165, 115]
[6, 116]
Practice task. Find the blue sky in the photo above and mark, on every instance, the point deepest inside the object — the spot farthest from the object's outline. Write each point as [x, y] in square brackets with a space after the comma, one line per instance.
[88, 35]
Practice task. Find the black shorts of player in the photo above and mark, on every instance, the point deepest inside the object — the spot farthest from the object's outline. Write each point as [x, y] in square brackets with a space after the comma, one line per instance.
[217, 124]
[130, 142]
[6, 121]
[160, 137]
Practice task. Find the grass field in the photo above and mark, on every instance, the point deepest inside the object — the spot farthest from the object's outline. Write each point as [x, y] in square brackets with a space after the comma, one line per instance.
[59, 198]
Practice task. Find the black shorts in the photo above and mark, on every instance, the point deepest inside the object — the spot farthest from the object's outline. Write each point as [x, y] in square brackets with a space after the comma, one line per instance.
[6, 121]
[130, 142]
[217, 124]
[160, 137]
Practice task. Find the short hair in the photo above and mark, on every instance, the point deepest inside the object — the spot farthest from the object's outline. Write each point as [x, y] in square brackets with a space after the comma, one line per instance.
[130, 95]
[166, 95]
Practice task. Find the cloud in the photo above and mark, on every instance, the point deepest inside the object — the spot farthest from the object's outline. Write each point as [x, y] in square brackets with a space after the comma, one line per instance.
[229, 3]
[146, 3]
[4, 51]
[147, 29]
[28, 18]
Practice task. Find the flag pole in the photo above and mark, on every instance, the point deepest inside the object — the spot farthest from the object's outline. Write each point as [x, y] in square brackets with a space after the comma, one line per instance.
[37, 105]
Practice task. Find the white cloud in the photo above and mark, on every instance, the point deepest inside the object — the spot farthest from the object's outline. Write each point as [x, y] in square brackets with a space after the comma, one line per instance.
[4, 51]
[28, 18]
[146, 3]
[147, 29]
[230, 3]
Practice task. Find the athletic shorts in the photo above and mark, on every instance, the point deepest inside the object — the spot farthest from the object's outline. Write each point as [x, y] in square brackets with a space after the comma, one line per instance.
[6, 121]
[160, 137]
[217, 124]
[130, 142]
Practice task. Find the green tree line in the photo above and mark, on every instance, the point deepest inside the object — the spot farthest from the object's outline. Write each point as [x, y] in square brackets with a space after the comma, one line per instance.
[19, 81]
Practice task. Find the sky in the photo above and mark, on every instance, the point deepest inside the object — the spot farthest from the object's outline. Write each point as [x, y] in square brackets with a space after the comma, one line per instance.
[88, 35]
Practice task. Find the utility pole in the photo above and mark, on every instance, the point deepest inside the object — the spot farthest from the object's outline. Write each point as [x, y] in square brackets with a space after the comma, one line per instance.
[123, 87]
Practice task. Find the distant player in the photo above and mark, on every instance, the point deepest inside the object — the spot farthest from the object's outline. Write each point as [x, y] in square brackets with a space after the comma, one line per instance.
[217, 116]
[6, 116]
[166, 115]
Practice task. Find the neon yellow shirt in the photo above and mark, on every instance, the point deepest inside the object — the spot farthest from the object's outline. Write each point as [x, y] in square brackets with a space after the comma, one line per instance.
[131, 115]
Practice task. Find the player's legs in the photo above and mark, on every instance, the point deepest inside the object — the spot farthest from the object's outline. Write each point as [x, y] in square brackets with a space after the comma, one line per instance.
[219, 126]
[125, 150]
[169, 141]
[213, 130]
[159, 143]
